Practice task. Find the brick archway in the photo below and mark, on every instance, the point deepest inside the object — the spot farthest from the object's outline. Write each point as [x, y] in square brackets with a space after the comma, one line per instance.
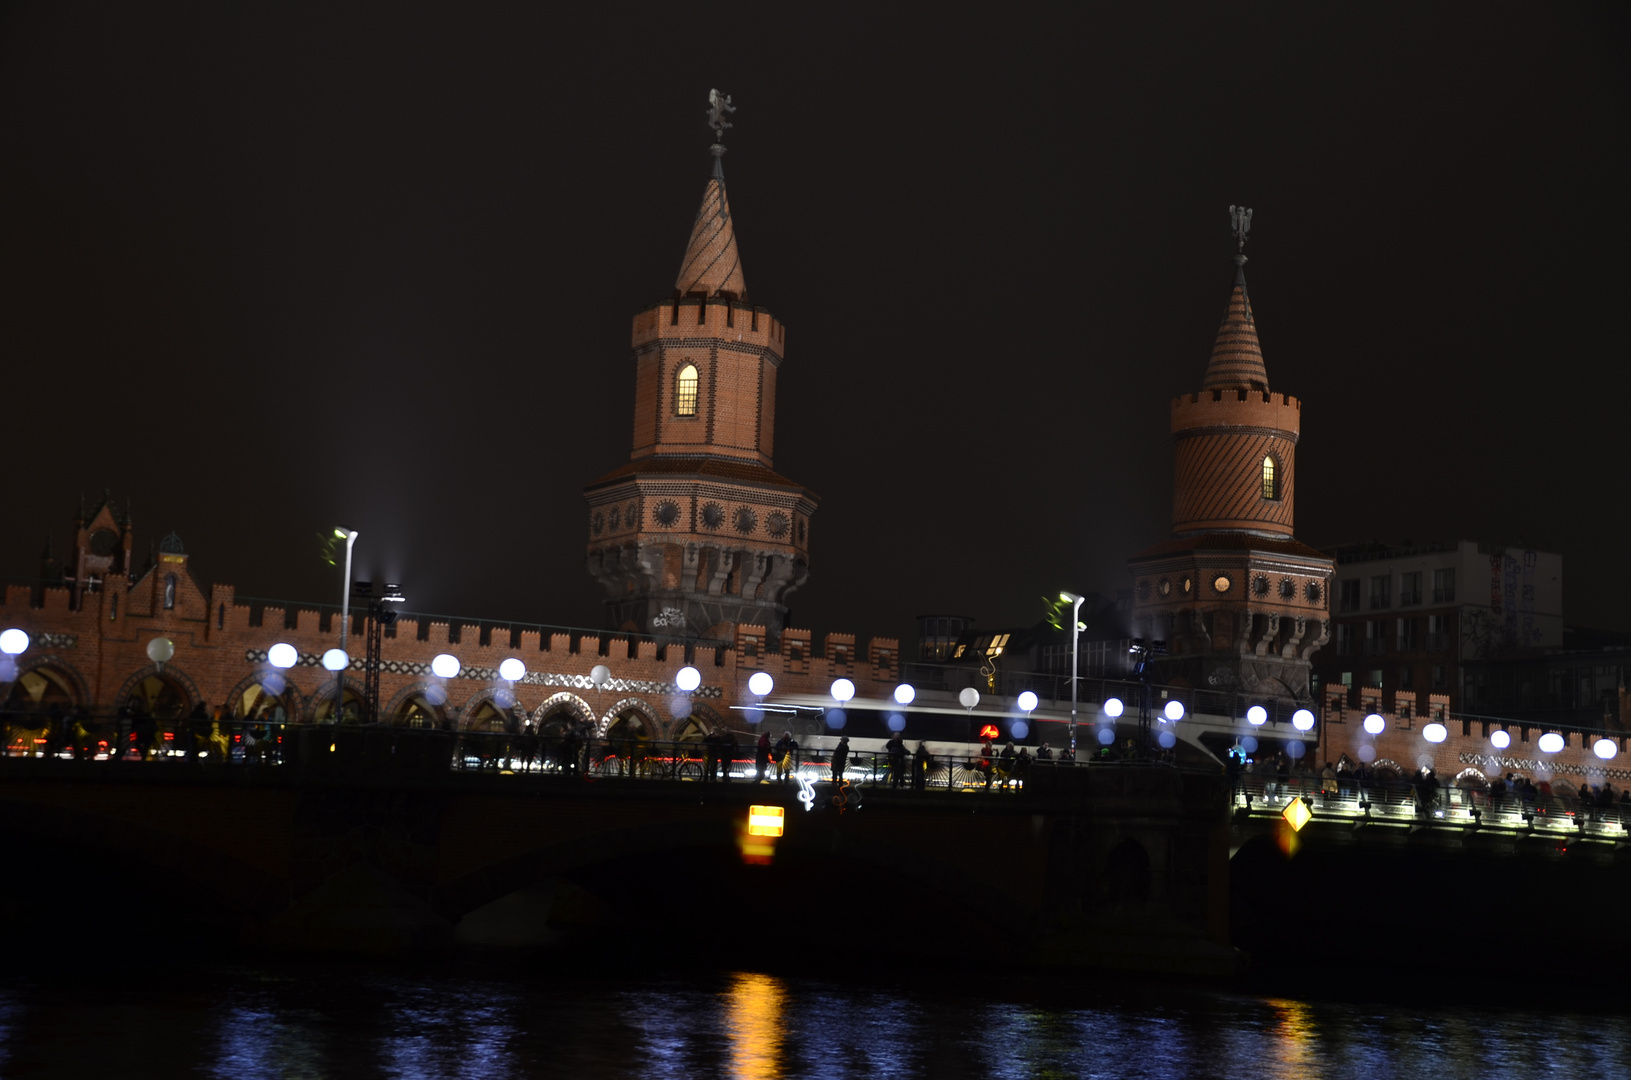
[170, 672]
[294, 703]
[641, 708]
[564, 702]
[78, 690]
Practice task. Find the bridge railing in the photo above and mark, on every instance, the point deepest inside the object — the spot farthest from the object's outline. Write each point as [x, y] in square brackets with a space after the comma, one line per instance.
[335, 749]
[1398, 802]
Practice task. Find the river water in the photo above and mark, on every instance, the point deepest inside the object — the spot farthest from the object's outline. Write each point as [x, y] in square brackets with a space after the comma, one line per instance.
[453, 1019]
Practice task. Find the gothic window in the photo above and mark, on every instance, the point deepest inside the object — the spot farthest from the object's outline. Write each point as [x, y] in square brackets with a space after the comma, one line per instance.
[1271, 478]
[170, 592]
[685, 391]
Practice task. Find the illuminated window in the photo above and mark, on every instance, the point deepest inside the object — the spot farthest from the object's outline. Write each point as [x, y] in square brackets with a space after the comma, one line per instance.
[999, 642]
[685, 391]
[1271, 479]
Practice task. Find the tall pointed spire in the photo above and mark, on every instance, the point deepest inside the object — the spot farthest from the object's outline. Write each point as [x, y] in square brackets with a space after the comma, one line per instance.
[712, 267]
[1237, 358]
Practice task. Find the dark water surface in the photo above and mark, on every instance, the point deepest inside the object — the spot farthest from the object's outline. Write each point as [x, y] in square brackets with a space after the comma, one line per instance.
[277, 1020]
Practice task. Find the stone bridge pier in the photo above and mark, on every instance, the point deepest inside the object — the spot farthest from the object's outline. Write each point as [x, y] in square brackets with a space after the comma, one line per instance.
[1106, 868]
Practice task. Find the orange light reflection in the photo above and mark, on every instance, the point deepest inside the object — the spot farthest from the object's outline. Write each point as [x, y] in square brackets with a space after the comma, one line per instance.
[753, 1019]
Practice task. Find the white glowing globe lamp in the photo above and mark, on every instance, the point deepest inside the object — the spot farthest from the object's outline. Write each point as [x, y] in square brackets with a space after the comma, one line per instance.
[1375, 724]
[688, 678]
[760, 683]
[1500, 740]
[1551, 743]
[1302, 720]
[968, 697]
[512, 670]
[905, 694]
[1174, 711]
[842, 690]
[283, 655]
[1027, 702]
[445, 666]
[1257, 716]
[600, 675]
[13, 642]
[336, 660]
[1435, 732]
[1113, 707]
[1604, 748]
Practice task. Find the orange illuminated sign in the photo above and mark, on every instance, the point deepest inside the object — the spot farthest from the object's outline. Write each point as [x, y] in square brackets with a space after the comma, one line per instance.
[765, 820]
[989, 732]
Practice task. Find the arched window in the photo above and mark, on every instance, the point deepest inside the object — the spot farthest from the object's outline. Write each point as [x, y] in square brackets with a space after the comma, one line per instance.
[170, 592]
[685, 391]
[1271, 479]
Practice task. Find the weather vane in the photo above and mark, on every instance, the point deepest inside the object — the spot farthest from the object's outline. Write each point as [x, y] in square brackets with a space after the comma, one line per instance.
[1240, 218]
[719, 106]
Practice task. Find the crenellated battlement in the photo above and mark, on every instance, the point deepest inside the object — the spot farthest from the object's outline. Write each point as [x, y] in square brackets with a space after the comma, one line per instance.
[694, 317]
[1234, 408]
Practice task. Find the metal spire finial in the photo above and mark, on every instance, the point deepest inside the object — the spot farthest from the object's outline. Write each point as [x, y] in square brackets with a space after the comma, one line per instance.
[719, 106]
[1240, 220]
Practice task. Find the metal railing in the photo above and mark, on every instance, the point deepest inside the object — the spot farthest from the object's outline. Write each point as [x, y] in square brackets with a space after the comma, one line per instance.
[1397, 802]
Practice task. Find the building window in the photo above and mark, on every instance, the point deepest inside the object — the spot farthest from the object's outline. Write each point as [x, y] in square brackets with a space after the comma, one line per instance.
[1438, 632]
[1410, 588]
[1440, 678]
[1271, 479]
[1379, 591]
[685, 391]
[170, 592]
[1345, 639]
[1444, 586]
[1375, 636]
[1407, 634]
[1348, 595]
[1407, 678]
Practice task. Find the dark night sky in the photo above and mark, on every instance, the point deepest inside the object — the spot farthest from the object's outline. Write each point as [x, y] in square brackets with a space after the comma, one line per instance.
[265, 268]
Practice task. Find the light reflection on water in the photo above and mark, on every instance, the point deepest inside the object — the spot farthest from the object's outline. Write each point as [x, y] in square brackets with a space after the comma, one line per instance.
[319, 1022]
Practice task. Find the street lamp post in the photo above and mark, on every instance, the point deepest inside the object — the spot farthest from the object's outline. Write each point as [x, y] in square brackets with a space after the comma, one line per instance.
[1075, 658]
[345, 623]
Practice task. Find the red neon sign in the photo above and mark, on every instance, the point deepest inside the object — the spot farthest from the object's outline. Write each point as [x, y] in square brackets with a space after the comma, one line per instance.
[989, 731]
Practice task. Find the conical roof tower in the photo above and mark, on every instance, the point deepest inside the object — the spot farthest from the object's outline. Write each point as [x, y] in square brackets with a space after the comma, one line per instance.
[1240, 602]
[698, 530]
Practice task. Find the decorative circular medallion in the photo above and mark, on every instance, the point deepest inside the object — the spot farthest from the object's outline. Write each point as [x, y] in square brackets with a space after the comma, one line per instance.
[776, 524]
[597, 523]
[1188, 584]
[1221, 583]
[1164, 587]
[1314, 593]
[614, 518]
[744, 520]
[713, 515]
[103, 541]
[1260, 584]
[1288, 589]
[668, 513]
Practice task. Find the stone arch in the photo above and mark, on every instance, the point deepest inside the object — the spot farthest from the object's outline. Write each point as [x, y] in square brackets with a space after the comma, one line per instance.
[1385, 768]
[170, 674]
[625, 709]
[563, 702]
[483, 707]
[323, 698]
[1471, 776]
[59, 674]
[1126, 878]
[701, 716]
[244, 707]
[417, 703]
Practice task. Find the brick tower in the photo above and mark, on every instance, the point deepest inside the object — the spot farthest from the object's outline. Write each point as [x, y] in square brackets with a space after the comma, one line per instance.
[698, 529]
[1240, 602]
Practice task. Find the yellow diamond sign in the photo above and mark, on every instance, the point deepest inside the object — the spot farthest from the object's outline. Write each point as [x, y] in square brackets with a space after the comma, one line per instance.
[1297, 814]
